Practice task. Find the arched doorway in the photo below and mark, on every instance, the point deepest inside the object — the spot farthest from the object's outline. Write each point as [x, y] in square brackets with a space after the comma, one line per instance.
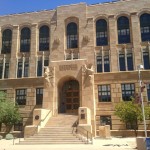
[69, 99]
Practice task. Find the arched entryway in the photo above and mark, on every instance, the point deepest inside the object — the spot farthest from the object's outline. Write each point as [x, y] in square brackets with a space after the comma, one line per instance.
[69, 98]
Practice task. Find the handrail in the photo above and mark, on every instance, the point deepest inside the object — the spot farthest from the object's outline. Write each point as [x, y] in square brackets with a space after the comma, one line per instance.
[87, 134]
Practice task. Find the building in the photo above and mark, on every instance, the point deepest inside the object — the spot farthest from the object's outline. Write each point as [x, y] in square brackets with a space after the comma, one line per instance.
[77, 56]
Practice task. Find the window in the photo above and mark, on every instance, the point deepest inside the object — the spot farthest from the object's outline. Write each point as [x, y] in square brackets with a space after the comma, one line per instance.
[123, 30]
[148, 92]
[40, 65]
[104, 94]
[128, 91]
[103, 62]
[23, 68]
[39, 96]
[126, 60]
[145, 27]
[146, 60]
[4, 68]
[72, 35]
[44, 38]
[25, 40]
[105, 120]
[6, 41]
[101, 33]
[21, 96]
[19, 126]
[71, 55]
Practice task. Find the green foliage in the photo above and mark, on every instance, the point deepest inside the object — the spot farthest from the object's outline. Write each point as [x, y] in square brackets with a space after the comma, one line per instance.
[9, 112]
[9, 137]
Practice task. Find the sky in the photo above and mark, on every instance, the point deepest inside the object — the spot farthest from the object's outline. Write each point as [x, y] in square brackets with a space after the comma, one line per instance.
[21, 6]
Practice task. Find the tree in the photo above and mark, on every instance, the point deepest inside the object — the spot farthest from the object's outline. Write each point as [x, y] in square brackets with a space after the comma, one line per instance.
[9, 112]
[129, 112]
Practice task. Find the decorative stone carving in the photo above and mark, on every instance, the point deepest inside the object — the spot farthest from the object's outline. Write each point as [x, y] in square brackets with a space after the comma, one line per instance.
[56, 43]
[88, 71]
[49, 76]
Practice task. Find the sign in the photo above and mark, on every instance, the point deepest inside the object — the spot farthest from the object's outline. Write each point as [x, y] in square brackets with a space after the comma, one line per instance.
[147, 143]
[68, 67]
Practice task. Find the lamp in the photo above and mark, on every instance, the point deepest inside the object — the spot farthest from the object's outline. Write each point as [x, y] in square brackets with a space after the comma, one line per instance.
[140, 67]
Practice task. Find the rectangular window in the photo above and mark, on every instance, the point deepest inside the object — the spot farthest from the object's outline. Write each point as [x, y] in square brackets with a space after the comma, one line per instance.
[146, 60]
[19, 126]
[99, 63]
[39, 96]
[19, 72]
[105, 120]
[130, 61]
[104, 94]
[26, 69]
[21, 96]
[6, 73]
[106, 64]
[128, 90]
[39, 68]
[148, 92]
[122, 62]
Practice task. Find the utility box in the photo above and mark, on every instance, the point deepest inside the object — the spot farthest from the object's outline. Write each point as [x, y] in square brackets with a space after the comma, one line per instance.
[84, 115]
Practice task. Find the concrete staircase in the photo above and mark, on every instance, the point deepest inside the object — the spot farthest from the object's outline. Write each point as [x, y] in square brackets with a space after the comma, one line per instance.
[58, 130]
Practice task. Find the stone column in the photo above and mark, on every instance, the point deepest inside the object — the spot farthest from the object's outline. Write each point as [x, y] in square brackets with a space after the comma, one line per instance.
[136, 38]
[113, 40]
[33, 50]
[14, 51]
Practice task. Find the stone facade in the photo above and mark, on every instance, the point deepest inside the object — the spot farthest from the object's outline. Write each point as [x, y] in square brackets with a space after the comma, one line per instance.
[83, 69]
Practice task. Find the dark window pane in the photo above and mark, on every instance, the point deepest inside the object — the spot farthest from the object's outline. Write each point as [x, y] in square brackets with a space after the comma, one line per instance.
[146, 60]
[6, 73]
[99, 63]
[6, 41]
[130, 61]
[25, 40]
[44, 38]
[105, 120]
[39, 68]
[123, 30]
[21, 96]
[39, 96]
[148, 92]
[145, 27]
[122, 62]
[26, 69]
[1, 70]
[101, 33]
[19, 72]
[106, 64]
[72, 35]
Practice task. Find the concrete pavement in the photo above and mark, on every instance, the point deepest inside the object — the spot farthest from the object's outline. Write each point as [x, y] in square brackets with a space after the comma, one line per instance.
[98, 144]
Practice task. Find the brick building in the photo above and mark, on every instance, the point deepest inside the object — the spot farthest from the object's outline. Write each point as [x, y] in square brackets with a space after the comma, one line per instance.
[76, 56]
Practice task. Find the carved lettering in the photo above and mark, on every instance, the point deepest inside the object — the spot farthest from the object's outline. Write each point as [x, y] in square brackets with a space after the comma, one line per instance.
[68, 67]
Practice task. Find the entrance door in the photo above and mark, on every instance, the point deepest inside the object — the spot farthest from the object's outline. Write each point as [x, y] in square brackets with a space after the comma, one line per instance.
[70, 97]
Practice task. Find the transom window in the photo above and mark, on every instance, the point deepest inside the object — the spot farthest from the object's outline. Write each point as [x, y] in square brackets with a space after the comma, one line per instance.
[21, 96]
[25, 40]
[104, 94]
[128, 91]
[101, 33]
[39, 96]
[44, 38]
[123, 30]
[145, 27]
[6, 41]
[72, 35]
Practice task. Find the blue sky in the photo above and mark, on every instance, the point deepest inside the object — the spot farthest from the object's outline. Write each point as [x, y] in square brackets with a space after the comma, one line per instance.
[20, 6]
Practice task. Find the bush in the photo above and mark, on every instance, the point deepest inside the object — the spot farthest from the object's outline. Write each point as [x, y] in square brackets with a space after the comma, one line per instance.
[9, 137]
[1, 137]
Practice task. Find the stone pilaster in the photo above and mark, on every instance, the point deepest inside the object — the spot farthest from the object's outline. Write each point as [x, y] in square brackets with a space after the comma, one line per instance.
[33, 50]
[113, 40]
[136, 35]
[14, 51]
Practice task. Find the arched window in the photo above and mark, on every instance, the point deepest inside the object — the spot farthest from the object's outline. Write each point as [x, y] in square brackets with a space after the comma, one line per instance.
[123, 30]
[44, 38]
[145, 27]
[72, 35]
[101, 33]
[6, 41]
[25, 40]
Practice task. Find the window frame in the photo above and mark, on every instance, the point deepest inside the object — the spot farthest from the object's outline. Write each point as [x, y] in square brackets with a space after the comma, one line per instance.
[39, 96]
[21, 95]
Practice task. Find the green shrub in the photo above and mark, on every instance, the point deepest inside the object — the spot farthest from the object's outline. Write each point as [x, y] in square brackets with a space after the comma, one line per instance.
[9, 137]
[1, 137]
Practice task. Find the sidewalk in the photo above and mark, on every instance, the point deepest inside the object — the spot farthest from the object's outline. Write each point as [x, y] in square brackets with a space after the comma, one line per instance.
[99, 144]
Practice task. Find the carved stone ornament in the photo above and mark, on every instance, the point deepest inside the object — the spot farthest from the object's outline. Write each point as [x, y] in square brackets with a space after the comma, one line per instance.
[88, 71]
[49, 76]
